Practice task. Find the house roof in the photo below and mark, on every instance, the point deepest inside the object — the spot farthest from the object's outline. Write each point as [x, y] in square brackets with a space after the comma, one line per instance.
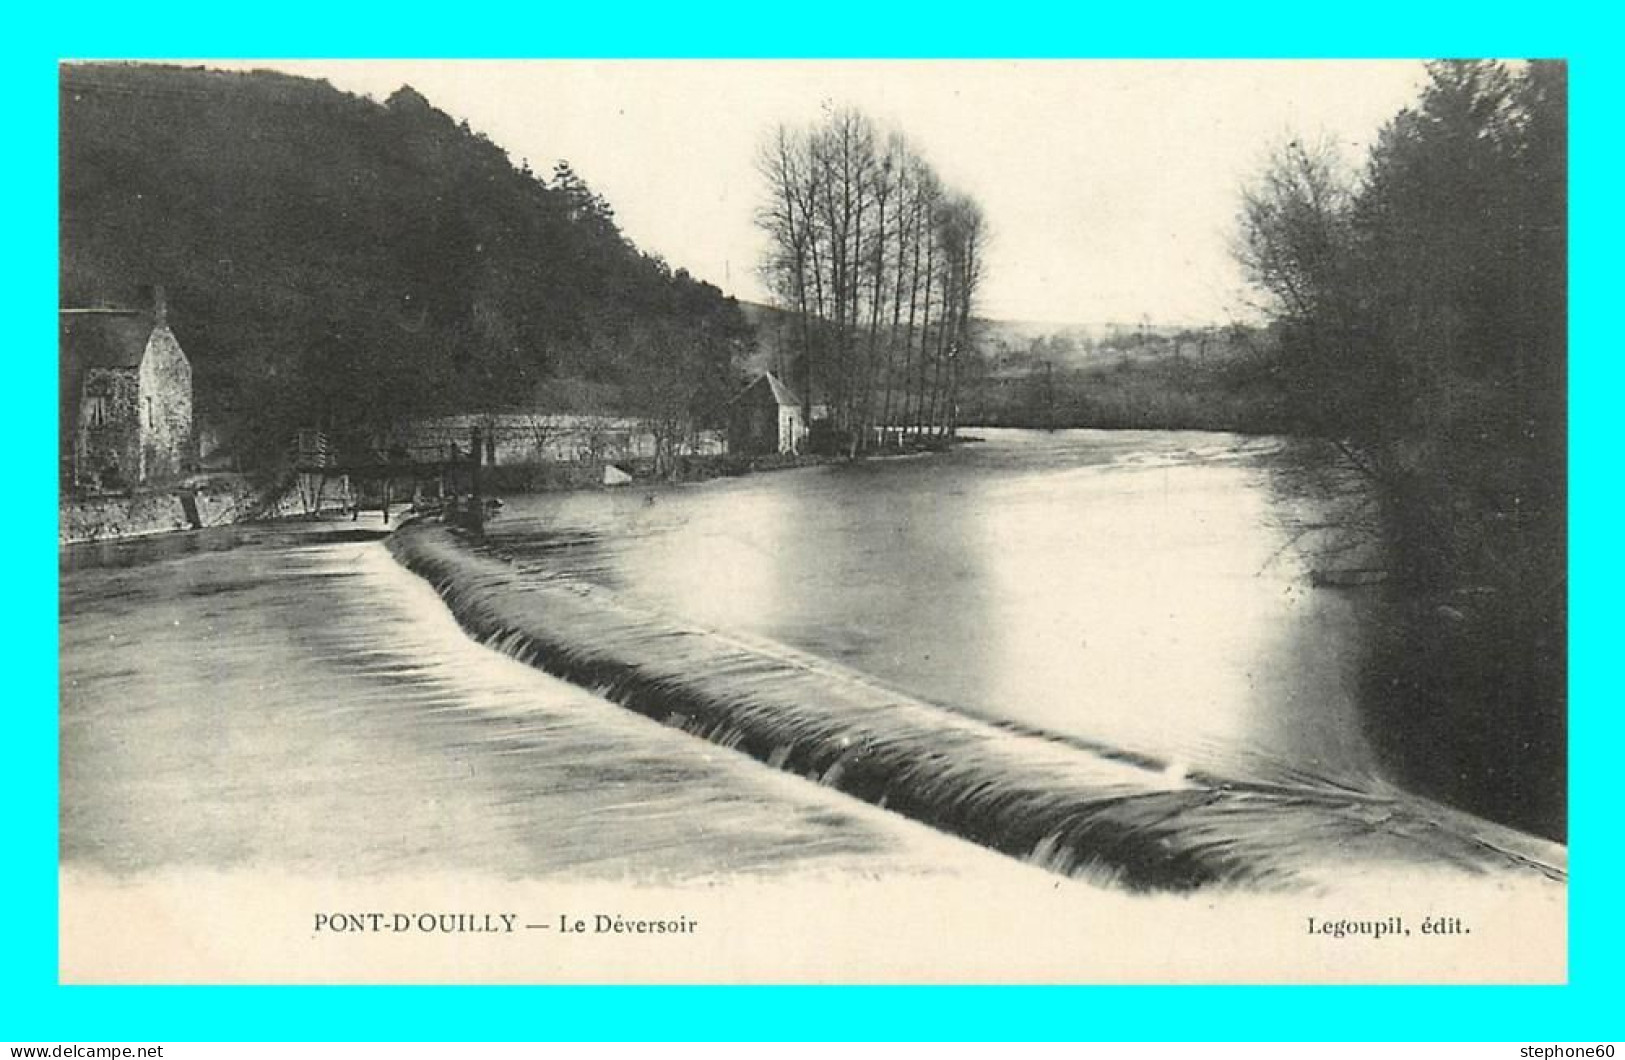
[104, 338]
[781, 393]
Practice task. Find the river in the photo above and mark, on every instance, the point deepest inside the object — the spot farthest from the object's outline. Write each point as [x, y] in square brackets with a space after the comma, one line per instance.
[290, 698]
[1143, 590]
[293, 696]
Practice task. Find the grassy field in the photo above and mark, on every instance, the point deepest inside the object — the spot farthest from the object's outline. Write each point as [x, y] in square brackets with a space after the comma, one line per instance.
[1155, 389]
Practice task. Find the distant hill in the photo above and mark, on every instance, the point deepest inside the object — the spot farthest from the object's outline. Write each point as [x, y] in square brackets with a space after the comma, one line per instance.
[331, 260]
[1025, 341]
[1081, 331]
[1040, 374]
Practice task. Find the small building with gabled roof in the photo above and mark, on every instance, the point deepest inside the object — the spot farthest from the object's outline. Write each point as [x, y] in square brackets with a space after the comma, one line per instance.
[128, 387]
[764, 418]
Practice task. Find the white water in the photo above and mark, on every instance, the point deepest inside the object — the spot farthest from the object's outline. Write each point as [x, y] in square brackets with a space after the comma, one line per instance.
[309, 706]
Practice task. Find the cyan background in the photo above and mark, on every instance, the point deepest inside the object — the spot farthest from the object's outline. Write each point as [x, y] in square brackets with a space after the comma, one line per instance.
[33, 37]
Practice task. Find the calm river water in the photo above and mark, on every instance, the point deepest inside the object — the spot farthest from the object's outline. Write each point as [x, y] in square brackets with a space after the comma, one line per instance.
[1145, 590]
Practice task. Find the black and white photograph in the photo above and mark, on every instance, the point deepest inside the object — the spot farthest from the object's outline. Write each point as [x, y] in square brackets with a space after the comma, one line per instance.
[813, 521]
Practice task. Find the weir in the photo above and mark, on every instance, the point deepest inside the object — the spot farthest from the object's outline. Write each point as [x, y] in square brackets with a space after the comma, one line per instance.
[1073, 809]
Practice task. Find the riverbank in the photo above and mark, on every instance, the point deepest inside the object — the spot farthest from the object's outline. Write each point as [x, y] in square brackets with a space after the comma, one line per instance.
[557, 477]
[226, 500]
[200, 504]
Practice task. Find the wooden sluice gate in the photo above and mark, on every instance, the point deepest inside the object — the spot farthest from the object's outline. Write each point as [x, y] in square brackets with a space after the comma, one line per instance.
[443, 478]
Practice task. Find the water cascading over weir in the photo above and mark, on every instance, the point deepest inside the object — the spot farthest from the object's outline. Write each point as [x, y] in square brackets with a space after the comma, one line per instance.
[1074, 809]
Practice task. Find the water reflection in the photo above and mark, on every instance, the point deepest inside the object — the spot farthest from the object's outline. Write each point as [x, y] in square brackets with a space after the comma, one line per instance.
[1143, 590]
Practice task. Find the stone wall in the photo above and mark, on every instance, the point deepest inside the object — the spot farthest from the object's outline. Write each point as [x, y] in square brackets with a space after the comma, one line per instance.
[105, 518]
[220, 501]
[224, 500]
[166, 418]
[108, 450]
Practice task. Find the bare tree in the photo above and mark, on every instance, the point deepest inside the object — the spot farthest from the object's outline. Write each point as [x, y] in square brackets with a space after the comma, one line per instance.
[785, 167]
[1294, 236]
[859, 225]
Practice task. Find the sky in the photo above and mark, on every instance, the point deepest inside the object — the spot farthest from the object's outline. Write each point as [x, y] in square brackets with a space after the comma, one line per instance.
[1110, 187]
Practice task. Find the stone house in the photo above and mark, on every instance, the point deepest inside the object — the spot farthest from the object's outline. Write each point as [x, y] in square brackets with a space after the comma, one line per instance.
[128, 396]
[765, 417]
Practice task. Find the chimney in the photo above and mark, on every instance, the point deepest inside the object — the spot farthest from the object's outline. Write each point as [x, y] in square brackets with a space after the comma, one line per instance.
[160, 306]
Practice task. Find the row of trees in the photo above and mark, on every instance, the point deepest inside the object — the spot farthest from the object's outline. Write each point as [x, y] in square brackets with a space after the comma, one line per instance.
[879, 264]
[1421, 308]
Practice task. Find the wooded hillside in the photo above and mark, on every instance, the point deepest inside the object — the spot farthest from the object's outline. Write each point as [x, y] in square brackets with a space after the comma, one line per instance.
[337, 262]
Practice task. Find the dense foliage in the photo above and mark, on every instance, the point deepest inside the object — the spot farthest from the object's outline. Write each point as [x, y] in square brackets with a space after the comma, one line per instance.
[336, 262]
[1425, 304]
[1422, 307]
